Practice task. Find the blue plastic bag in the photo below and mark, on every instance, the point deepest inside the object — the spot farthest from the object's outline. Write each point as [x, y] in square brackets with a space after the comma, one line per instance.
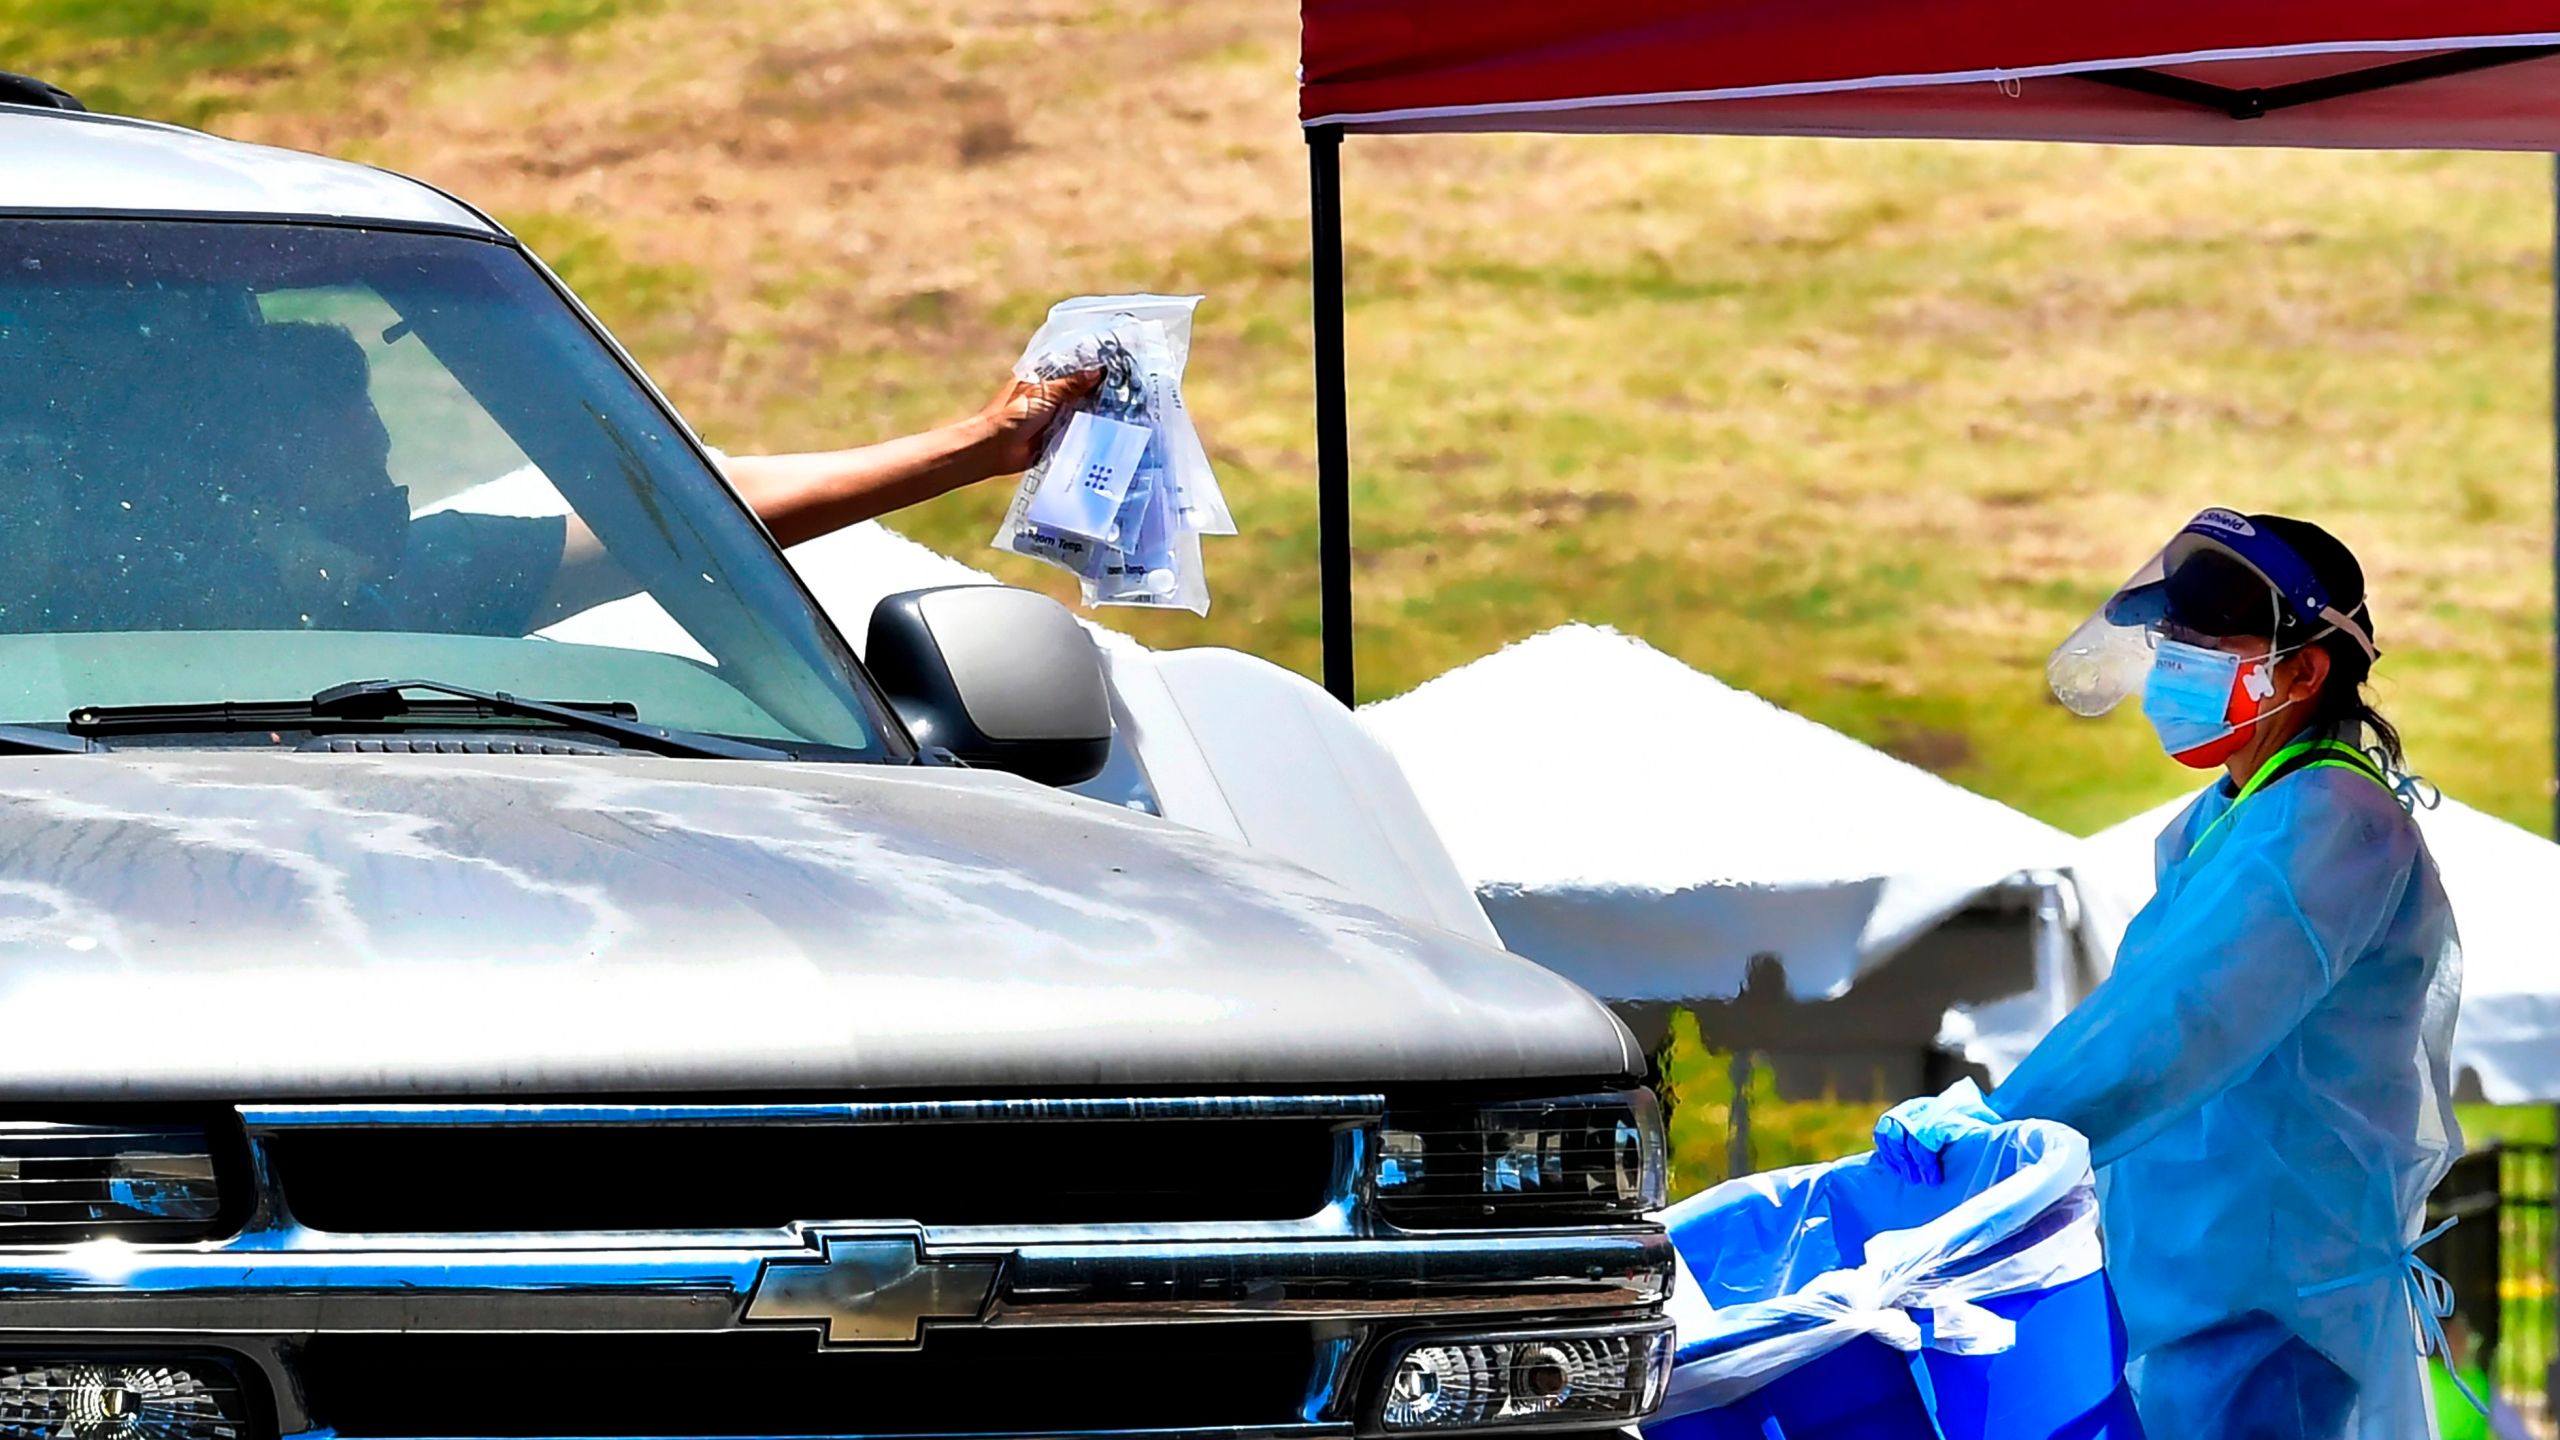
[1842, 1299]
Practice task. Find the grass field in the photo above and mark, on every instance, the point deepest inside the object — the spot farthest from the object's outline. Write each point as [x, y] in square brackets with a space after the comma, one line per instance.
[1860, 426]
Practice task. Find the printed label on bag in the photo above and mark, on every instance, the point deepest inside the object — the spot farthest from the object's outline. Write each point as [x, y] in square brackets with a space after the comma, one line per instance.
[1089, 475]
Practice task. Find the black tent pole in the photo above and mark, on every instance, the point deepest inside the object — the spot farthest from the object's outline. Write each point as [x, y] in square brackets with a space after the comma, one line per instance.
[1333, 410]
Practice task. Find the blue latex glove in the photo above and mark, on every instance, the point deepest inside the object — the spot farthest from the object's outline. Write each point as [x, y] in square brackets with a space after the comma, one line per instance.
[1912, 1133]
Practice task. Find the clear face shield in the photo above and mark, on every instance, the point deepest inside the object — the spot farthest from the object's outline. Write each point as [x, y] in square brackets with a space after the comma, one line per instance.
[2196, 633]
[2191, 592]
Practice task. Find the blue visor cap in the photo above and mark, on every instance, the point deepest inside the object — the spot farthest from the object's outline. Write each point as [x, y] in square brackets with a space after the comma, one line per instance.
[2224, 576]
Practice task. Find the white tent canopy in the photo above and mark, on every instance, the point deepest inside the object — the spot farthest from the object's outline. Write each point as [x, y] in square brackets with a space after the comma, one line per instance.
[2500, 880]
[1649, 830]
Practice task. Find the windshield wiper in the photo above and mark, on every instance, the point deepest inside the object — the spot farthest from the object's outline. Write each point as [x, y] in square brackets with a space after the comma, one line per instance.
[388, 700]
[31, 740]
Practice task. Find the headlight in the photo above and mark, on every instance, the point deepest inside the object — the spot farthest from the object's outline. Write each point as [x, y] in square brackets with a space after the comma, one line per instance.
[65, 1183]
[120, 1400]
[1524, 1381]
[1581, 1157]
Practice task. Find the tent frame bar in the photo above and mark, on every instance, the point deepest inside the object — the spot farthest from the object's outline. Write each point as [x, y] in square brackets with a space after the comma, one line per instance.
[1333, 410]
[2251, 103]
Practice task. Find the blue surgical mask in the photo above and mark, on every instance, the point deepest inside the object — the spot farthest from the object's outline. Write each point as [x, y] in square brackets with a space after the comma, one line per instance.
[2188, 693]
[2187, 696]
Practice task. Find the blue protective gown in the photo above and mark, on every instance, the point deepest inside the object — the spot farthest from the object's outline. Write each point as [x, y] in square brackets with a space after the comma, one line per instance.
[2265, 1086]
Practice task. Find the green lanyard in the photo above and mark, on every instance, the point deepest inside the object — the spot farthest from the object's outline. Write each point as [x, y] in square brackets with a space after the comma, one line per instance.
[2321, 754]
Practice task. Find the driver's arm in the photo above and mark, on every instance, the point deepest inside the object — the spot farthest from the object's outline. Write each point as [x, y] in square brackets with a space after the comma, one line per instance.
[803, 496]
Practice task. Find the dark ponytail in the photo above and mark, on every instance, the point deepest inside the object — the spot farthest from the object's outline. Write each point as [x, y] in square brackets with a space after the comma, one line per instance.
[2343, 700]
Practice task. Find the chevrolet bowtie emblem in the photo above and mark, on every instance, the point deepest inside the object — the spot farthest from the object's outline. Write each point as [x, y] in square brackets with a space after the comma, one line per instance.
[871, 1290]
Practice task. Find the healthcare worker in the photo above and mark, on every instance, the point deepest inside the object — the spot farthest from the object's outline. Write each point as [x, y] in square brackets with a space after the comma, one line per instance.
[2263, 1078]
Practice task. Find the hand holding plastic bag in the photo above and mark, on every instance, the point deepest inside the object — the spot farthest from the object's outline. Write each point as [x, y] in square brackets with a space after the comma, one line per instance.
[1122, 491]
[1910, 1135]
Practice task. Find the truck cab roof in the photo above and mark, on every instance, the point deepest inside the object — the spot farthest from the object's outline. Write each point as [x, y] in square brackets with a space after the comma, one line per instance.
[71, 162]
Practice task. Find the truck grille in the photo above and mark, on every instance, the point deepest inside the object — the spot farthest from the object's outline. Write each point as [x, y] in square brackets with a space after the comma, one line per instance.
[439, 1180]
[964, 1382]
[708, 1268]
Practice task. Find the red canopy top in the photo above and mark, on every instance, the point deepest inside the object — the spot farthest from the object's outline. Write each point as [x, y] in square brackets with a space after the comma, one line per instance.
[2378, 74]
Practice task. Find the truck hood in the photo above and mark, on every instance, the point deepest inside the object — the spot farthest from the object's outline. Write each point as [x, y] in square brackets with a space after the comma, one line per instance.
[254, 924]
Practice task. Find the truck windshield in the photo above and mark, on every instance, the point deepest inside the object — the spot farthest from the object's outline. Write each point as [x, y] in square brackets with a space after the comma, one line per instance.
[251, 461]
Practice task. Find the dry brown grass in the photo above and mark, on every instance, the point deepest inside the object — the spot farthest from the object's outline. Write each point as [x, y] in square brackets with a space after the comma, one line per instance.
[848, 175]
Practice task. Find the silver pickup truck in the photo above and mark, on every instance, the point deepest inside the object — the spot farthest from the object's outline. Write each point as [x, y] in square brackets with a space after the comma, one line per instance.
[419, 1017]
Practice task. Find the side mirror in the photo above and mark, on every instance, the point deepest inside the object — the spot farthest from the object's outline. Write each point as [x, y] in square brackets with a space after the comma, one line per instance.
[1005, 679]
